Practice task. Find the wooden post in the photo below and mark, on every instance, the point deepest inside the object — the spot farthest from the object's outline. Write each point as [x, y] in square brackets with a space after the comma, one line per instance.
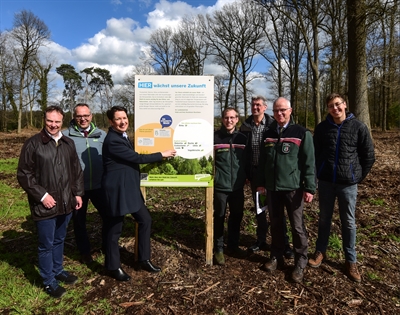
[209, 225]
[209, 196]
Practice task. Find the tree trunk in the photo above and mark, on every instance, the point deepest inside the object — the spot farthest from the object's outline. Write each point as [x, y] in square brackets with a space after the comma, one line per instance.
[357, 61]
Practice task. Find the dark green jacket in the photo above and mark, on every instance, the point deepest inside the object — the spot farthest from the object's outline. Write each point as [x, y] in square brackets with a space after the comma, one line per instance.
[287, 161]
[230, 160]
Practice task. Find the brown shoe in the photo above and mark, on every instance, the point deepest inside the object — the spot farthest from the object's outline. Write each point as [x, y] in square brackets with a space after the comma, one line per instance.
[352, 272]
[317, 259]
[273, 263]
[298, 274]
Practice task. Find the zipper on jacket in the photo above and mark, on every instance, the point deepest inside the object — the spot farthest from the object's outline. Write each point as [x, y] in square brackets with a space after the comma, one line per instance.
[231, 157]
[336, 153]
[276, 157]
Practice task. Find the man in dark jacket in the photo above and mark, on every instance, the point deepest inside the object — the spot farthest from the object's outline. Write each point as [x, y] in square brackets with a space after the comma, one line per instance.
[254, 127]
[230, 176]
[344, 155]
[287, 173]
[50, 173]
[88, 141]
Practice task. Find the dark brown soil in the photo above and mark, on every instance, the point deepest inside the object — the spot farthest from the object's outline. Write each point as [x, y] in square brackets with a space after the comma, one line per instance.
[188, 286]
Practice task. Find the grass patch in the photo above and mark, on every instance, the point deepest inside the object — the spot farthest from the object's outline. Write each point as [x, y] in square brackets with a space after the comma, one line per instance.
[376, 202]
[250, 225]
[373, 276]
[335, 246]
[9, 166]
[13, 202]
[394, 238]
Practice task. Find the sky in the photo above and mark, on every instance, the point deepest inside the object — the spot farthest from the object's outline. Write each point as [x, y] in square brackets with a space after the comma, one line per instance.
[108, 34]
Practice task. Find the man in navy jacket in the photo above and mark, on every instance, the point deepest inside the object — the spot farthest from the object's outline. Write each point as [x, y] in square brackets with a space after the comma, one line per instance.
[344, 155]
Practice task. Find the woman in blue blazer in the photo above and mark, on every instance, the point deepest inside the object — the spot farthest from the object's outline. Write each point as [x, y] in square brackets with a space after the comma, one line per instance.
[121, 185]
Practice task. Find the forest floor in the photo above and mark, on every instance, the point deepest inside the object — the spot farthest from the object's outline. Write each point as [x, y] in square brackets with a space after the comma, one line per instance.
[187, 285]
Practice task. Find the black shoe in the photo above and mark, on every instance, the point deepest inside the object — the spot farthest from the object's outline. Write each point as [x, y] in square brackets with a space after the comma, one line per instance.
[298, 274]
[66, 277]
[148, 266]
[55, 290]
[236, 252]
[273, 263]
[257, 246]
[86, 259]
[288, 253]
[120, 275]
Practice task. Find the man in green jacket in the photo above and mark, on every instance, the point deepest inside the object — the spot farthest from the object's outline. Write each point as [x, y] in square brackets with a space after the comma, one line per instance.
[287, 174]
[230, 176]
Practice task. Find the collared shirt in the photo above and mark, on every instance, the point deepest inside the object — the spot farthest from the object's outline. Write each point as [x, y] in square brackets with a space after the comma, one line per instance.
[83, 131]
[278, 128]
[256, 137]
[55, 138]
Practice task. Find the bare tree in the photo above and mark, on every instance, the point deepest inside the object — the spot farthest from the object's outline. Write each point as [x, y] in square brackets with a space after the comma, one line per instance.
[87, 77]
[8, 82]
[193, 46]
[166, 56]
[41, 73]
[307, 15]
[220, 91]
[29, 33]
[335, 55]
[235, 35]
[382, 64]
[30, 95]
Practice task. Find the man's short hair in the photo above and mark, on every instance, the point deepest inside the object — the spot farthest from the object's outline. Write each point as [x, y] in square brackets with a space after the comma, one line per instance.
[259, 97]
[284, 98]
[81, 104]
[334, 95]
[53, 108]
[228, 109]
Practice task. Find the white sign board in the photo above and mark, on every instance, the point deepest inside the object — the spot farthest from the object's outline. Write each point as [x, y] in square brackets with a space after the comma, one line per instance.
[175, 112]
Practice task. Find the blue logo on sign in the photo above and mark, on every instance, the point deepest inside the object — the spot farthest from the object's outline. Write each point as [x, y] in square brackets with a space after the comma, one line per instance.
[165, 121]
[145, 85]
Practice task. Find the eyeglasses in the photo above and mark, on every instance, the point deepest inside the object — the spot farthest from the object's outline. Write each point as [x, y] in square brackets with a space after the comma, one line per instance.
[332, 106]
[82, 116]
[282, 110]
[230, 118]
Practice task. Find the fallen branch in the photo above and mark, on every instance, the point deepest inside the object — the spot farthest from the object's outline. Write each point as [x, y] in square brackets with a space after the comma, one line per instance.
[360, 293]
[182, 287]
[209, 288]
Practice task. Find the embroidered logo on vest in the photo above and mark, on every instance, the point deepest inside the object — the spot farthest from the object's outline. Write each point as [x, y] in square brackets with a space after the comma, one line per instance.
[285, 147]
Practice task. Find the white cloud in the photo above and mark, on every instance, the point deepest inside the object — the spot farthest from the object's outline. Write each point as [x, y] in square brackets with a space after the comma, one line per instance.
[119, 45]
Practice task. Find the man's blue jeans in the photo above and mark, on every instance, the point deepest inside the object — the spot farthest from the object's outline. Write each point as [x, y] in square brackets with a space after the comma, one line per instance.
[347, 197]
[51, 236]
